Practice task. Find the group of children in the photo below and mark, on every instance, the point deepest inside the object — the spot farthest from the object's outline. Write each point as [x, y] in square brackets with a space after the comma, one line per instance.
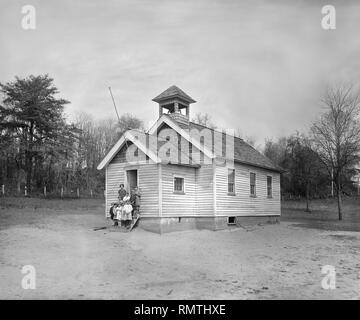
[127, 208]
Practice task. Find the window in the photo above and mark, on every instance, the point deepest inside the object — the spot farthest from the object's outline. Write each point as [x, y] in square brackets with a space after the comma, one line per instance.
[269, 186]
[178, 185]
[231, 181]
[252, 184]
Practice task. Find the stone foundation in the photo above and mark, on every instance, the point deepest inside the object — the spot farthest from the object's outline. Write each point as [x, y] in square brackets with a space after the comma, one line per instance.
[164, 225]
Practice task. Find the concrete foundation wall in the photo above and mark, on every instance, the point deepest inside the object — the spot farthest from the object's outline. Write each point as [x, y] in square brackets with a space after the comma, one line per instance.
[164, 225]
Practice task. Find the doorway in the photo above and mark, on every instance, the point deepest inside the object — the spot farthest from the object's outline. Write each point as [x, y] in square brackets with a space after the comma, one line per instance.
[131, 179]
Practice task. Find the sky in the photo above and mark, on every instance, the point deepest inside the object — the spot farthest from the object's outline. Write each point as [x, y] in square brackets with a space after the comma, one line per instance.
[259, 67]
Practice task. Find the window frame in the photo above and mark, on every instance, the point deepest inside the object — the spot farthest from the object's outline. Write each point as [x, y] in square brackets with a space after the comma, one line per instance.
[231, 193]
[253, 194]
[183, 184]
[271, 186]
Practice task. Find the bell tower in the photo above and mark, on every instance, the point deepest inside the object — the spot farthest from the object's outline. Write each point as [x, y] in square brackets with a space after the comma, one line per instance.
[175, 103]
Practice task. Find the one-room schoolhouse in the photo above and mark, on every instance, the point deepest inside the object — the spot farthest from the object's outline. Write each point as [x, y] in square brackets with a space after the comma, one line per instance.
[191, 176]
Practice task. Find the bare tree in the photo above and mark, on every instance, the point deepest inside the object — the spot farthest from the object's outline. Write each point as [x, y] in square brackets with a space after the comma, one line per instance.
[128, 121]
[304, 163]
[336, 135]
[251, 140]
[276, 150]
[204, 119]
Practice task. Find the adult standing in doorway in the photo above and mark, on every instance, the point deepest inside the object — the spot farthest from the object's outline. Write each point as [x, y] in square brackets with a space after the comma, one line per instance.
[121, 192]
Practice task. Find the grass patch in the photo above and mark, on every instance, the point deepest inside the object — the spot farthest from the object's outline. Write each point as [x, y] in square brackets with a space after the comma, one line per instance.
[324, 214]
[55, 204]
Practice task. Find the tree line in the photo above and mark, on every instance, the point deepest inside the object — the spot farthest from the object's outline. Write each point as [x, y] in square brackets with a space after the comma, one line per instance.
[40, 147]
[325, 160]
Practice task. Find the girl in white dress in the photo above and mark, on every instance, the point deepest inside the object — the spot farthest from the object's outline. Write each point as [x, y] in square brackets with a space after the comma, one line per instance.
[126, 210]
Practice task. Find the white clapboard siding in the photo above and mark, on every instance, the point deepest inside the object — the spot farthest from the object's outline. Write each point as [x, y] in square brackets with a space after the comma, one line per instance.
[149, 188]
[204, 190]
[173, 203]
[114, 176]
[147, 179]
[198, 197]
[242, 204]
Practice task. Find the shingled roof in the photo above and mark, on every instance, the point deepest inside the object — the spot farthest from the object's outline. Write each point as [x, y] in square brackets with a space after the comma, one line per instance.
[245, 153]
[173, 92]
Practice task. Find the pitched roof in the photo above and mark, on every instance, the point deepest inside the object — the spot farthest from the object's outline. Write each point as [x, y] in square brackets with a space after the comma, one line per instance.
[243, 152]
[183, 130]
[173, 92]
[134, 136]
[127, 136]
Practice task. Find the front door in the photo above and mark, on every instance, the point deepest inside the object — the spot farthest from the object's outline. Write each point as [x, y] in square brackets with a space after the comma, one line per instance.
[132, 178]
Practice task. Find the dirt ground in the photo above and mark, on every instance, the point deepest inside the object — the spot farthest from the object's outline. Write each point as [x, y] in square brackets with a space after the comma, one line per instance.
[72, 261]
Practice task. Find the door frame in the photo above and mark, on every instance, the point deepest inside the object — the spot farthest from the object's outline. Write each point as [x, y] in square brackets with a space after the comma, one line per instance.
[126, 177]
